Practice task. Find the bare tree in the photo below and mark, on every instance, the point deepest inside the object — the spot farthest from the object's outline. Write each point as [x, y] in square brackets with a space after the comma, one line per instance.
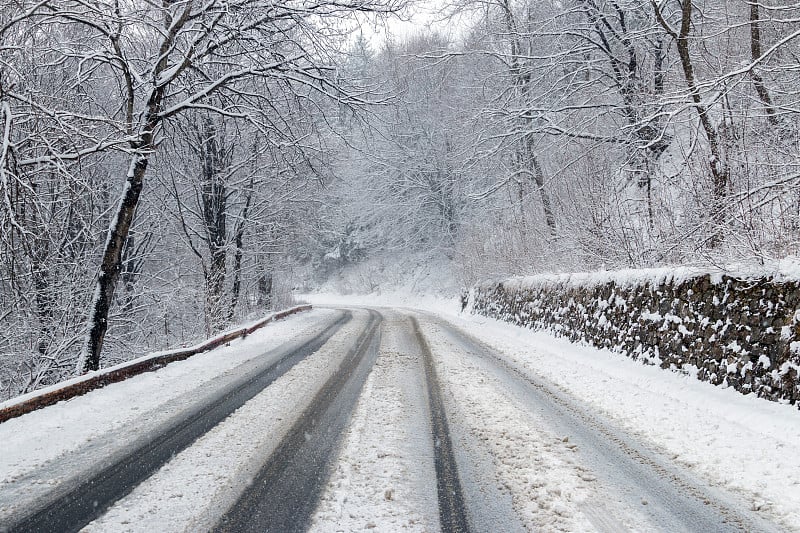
[718, 164]
[127, 68]
[755, 55]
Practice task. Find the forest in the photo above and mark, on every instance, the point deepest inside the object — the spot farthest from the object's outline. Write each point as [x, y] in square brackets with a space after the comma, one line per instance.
[170, 168]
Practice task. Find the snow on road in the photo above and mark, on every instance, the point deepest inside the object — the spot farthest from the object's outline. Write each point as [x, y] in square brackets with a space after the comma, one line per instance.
[384, 478]
[534, 467]
[41, 449]
[519, 470]
[194, 489]
[742, 444]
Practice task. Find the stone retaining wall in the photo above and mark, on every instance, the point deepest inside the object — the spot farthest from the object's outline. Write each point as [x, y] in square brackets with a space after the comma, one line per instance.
[737, 332]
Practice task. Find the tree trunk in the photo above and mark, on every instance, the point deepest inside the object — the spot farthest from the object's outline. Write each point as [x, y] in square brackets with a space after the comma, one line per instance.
[522, 81]
[214, 197]
[755, 53]
[265, 290]
[214, 288]
[112, 259]
[720, 172]
[236, 286]
[129, 272]
[45, 302]
[538, 179]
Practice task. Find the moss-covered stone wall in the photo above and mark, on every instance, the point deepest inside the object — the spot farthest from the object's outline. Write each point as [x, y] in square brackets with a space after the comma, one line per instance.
[729, 331]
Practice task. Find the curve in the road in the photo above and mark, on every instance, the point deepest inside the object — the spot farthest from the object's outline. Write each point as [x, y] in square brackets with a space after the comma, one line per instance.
[453, 516]
[89, 498]
[285, 492]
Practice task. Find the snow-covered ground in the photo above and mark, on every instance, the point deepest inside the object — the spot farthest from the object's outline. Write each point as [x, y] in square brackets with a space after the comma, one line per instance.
[519, 470]
[384, 478]
[198, 485]
[740, 443]
[527, 469]
[71, 436]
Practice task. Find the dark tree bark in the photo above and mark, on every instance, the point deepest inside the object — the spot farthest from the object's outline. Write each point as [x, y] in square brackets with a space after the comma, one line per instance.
[527, 161]
[538, 179]
[37, 248]
[265, 290]
[755, 53]
[241, 226]
[214, 196]
[112, 257]
[720, 172]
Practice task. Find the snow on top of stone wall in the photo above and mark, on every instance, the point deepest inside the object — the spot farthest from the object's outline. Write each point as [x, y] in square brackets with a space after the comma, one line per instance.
[786, 269]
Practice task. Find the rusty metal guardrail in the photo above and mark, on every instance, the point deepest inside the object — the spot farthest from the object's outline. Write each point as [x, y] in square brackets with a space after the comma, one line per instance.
[88, 382]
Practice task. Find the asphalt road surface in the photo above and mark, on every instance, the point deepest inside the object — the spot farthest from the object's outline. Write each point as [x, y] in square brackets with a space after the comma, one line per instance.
[392, 419]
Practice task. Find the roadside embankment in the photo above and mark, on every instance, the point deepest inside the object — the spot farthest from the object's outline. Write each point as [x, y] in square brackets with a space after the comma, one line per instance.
[94, 380]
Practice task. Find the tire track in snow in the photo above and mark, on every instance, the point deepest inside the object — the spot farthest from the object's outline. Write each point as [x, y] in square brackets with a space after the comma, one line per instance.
[88, 498]
[286, 490]
[672, 498]
[516, 472]
[452, 511]
[385, 478]
[194, 489]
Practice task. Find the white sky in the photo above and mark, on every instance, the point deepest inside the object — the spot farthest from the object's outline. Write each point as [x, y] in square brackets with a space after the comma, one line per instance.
[420, 17]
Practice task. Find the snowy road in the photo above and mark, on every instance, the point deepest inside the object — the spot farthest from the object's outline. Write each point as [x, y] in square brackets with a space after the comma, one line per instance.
[382, 420]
